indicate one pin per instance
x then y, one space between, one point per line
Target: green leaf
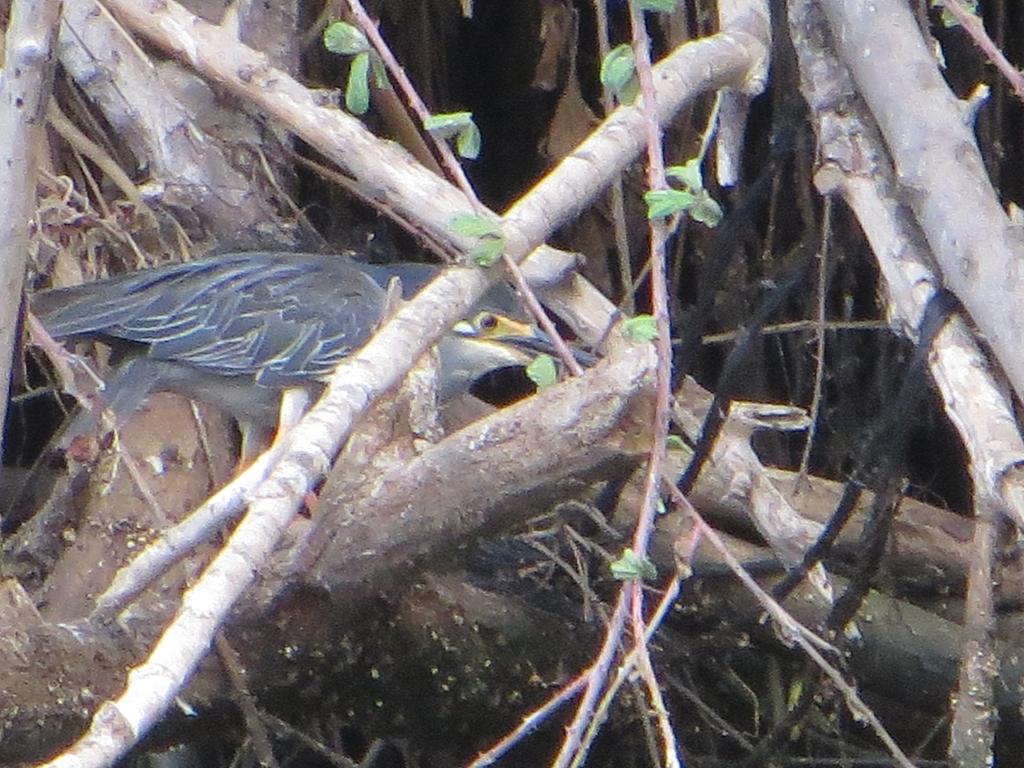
357 92
468 142
487 230
660 508
688 174
630 92
662 203
642 328
632 566
345 39
474 225
449 125
487 252
947 19
675 443
543 372
659 6
380 72
706 210
795 693
618 69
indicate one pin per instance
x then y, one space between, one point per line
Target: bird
235 330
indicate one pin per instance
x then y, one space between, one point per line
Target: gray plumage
282 320
235 329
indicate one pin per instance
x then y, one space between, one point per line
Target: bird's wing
283 319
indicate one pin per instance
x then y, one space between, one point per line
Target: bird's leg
294 402
255 440
392 298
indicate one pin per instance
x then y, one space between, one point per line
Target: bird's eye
487 321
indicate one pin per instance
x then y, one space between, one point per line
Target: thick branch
154 109
25 85
454 488
856 166
939 167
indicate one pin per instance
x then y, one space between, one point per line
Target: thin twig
542 713
458 176
796 326
574 746
796 632
633 659
819 333
246 702
972 730
177 542
628 303
593 682
974 28
659 229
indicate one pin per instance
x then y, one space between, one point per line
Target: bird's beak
524 338
539 343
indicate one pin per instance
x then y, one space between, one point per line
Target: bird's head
490 341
